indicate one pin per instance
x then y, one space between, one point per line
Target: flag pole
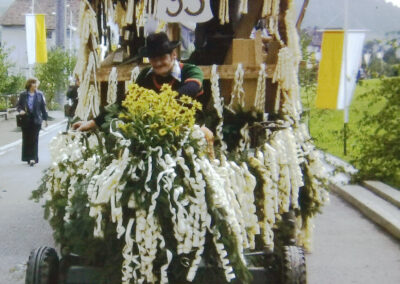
31 65
346 105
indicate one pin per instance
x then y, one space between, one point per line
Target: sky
394 2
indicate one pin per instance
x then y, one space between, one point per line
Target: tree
9 84
53 75
379 135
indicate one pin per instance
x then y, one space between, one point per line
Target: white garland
243 184
129 12
270 10
268 221
243 8
231 191
260 92
134 74
293 41
237 95
140 16
244 142
87 31
286 76
224 12
199 208
267 8
120 16
112 86
106 188
88 94
218 106
220 200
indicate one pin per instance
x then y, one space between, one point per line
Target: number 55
180 7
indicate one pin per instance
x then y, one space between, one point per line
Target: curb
372 206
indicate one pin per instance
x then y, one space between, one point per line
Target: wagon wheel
42 267
293 266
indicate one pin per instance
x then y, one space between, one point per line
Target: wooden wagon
255 82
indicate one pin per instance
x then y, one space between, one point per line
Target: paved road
22 226
347 247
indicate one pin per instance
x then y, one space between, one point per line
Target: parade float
146 198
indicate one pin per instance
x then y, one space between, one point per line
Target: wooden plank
224 71
246 24
248 21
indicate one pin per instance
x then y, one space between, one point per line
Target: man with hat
184 78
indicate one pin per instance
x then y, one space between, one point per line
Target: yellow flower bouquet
151 119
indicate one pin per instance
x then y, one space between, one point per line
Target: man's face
162 65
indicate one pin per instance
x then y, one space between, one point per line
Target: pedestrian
32 105
72 96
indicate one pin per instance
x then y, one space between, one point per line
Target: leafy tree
53 75
308 68
9 84
379 135
308 72
390 56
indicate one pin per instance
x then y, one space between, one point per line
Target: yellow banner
330 68
41 47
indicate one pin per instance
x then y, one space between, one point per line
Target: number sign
183 11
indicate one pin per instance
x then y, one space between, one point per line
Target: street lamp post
60 26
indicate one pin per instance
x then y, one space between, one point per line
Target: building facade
13 36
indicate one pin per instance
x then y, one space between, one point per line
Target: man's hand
22 112
84 125
46 124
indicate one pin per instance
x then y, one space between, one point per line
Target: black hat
157 44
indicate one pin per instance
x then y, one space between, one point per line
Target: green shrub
378 138
9 84
53 76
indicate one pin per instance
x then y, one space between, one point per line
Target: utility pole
60 24
345 55
301 16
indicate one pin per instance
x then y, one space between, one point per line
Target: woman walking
31 104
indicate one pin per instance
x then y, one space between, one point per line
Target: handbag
22 120
68 110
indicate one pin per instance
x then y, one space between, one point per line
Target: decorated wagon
146 198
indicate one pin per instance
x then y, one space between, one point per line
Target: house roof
15 14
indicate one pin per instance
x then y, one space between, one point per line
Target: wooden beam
224 72
228 71
248 21
246 24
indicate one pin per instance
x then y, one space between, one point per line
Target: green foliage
53 75
308 72
373 131
379 137
9 84
383 61
308 68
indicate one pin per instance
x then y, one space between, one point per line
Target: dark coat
38 112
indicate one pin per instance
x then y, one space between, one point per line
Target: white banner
30 26
184 11
353 49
